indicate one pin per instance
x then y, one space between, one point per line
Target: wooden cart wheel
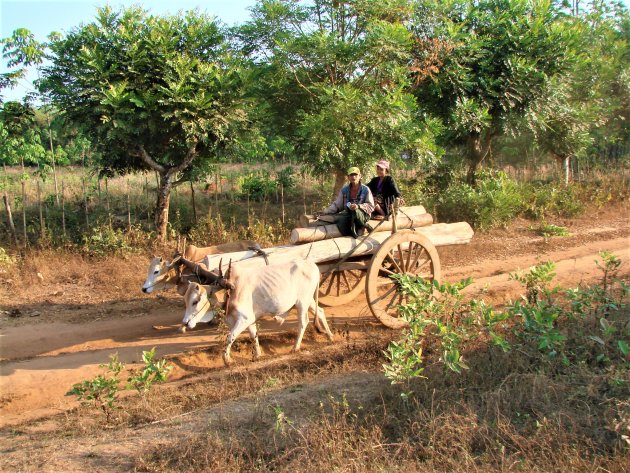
405 252
341 284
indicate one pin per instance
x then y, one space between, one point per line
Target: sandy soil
61 316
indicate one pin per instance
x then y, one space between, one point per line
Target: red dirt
58 326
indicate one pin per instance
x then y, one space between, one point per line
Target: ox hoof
182 329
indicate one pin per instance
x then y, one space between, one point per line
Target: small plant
610 267
548 230
282 421
101 391
104 240
536 281
153 372
6 260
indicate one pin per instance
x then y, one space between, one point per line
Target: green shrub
103 240
257 187
543 200
494 201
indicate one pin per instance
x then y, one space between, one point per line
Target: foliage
438 314
6 260
258 186
332 78
102 390
152 372
548 199
156 93
549 230
536 281
494 201
477 65
103 240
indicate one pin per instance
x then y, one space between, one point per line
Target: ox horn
221 268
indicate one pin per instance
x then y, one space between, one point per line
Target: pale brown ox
270 290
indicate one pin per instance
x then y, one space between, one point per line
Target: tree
588 106
161 93
21 142
21 50
478 65
333 78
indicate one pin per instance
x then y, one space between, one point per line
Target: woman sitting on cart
384 190
354 205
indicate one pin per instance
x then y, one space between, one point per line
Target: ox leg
302 323
253 334
238 328
320 317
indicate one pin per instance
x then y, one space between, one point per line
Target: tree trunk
478 148
163 201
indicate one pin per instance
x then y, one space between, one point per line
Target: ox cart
406 251
350 266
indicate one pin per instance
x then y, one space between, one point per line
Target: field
327 408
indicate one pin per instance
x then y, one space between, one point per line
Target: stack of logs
314 229
334 247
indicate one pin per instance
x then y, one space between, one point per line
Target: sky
42 17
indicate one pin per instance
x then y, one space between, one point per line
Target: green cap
353 170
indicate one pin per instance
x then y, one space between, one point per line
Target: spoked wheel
405 252
340 284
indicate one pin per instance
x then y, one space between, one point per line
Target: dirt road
60 320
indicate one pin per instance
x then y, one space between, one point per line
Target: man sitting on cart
354 205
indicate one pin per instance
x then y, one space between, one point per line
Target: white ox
163 274
269 290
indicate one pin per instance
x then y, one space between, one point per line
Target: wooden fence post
128 208
10 219
107 205
24 212
85 203
41 213
63 208
192 198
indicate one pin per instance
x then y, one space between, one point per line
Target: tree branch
190 156
149 160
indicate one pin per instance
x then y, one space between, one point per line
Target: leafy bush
257 187
153 372
495 201
545 200
438 315
6 260
286 178
103 240
102 390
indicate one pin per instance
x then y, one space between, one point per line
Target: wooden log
326 232
440 234
306 221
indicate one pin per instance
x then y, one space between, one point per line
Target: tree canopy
159 93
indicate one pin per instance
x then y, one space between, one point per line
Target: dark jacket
389 191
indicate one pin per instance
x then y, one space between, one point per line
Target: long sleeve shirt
364 200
